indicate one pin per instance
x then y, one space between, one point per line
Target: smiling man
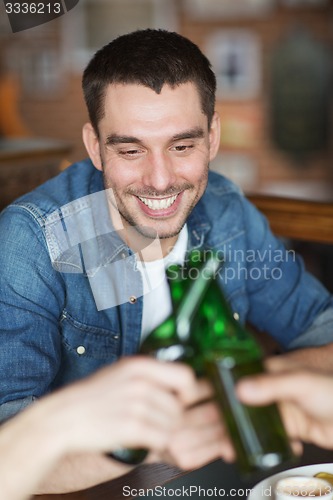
76 293
154 151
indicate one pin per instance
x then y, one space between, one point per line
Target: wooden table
26 163
216 474
143 476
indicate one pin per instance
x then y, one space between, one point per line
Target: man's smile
158 203
164 207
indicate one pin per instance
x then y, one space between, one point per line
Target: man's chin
161 229
152 233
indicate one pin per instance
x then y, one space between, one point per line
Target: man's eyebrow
194 133
114 139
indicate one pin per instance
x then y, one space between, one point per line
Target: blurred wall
48 62
270 165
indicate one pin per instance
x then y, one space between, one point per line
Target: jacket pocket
87 341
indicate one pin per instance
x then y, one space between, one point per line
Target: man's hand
200 436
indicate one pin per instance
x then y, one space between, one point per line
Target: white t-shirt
157 304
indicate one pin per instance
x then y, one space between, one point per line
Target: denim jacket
52 329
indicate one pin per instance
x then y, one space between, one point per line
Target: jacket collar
198 226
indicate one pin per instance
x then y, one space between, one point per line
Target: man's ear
91 143
214 136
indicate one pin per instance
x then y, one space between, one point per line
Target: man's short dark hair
151 58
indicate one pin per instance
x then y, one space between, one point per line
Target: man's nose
159 172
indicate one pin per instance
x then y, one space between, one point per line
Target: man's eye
130 152
183 147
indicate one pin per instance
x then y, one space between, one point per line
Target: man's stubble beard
147 232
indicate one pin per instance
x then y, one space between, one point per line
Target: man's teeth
155 204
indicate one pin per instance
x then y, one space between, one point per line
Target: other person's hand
137 402
305 399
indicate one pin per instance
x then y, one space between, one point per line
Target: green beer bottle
220 348
203 333
227 352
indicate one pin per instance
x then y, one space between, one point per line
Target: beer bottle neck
194 296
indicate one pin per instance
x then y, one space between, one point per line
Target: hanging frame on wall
236 58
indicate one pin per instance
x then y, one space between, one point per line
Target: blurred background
273 60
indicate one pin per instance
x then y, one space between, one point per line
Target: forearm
27 449
80 471
32 444
317 358
73 470
320 333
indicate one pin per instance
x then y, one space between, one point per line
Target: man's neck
148 249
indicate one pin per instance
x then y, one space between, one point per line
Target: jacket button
132 299
236 316
81 349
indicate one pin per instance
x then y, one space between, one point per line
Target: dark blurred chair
27 162
297 219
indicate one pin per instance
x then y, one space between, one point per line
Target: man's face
154 150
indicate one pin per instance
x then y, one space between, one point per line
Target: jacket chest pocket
88 341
